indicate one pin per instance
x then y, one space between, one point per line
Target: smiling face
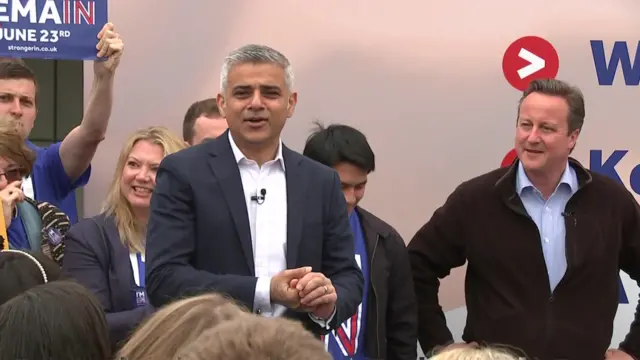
543 140
256 103
139 174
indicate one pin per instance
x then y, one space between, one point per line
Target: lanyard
141 279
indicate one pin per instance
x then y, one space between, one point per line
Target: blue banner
51 29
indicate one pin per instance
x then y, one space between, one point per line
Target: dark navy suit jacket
198 236
97 259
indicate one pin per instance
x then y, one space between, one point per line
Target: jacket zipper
549 316
373 287
550 299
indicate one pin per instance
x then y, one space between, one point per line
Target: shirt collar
237 153
569 178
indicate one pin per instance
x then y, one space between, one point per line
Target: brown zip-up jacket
509 301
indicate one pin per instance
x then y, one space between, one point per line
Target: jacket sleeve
630 263
338 258
171 244
82 263
435 249
402 308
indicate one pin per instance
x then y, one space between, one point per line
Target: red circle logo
509 158
527 59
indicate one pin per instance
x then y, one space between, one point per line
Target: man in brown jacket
544 241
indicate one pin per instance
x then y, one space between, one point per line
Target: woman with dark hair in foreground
21 270
58 320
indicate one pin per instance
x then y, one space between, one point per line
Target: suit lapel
121 279
296 190
225 168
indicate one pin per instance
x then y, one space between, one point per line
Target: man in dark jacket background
385 325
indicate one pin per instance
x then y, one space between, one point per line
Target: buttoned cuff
323 323
262 297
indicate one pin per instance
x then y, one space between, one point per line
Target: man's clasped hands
303 290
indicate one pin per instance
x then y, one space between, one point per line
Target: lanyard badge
140 292
141 297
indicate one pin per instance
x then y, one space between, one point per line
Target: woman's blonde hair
478 352
178 324
132 232
255 338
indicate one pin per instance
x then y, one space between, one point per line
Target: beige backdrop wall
422 79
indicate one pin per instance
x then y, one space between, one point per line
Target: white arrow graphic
536 63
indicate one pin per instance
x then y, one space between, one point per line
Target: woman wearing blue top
105 253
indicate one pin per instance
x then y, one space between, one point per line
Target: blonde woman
105 253
477 352
178 324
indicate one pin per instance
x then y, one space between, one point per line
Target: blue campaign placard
51 29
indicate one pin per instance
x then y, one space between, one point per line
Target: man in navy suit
245 216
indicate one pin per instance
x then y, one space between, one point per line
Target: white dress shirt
268 222
133 259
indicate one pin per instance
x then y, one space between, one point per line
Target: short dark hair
337 144
39 323
207 107
19 273
16 69
571 94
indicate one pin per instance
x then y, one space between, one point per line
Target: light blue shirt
547 214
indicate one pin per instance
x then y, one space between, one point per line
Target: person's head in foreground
478 352
256 338
57 320
177 324
21 270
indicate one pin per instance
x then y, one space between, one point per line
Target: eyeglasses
12 174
